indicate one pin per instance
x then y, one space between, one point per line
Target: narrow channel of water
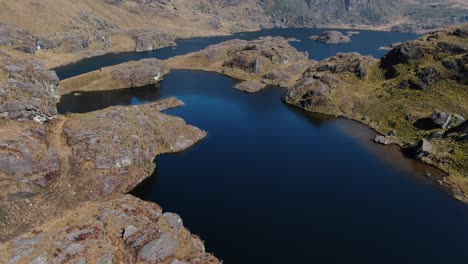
273 184
367 42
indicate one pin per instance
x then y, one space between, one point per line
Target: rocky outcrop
82 157
27 161
269 60
28 90
332 37
121 143
22 40
150 39
123 230
139 73
352 62
130 74
319 80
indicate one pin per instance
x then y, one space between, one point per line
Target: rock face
123 230
28 90
332 37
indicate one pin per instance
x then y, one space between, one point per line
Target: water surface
273 184
366 43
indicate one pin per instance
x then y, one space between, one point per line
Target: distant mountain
403 15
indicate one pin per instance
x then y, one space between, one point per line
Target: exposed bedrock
122 230
48 169
27 90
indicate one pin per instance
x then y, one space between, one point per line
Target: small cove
272 184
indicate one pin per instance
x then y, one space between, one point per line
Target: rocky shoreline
65 178
362 88
60 167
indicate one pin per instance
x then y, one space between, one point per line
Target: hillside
61 31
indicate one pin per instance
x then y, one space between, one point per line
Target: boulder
250 86
441 119
445 120
419 150
382 140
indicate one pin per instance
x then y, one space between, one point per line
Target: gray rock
250 86
42 259
30 91
421 149
107 259
159 249
382 140
174 221
129 231
441 119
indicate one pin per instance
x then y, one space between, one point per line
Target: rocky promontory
261 62
64 178
130 74
413 95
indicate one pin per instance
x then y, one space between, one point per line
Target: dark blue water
367 43
272 184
